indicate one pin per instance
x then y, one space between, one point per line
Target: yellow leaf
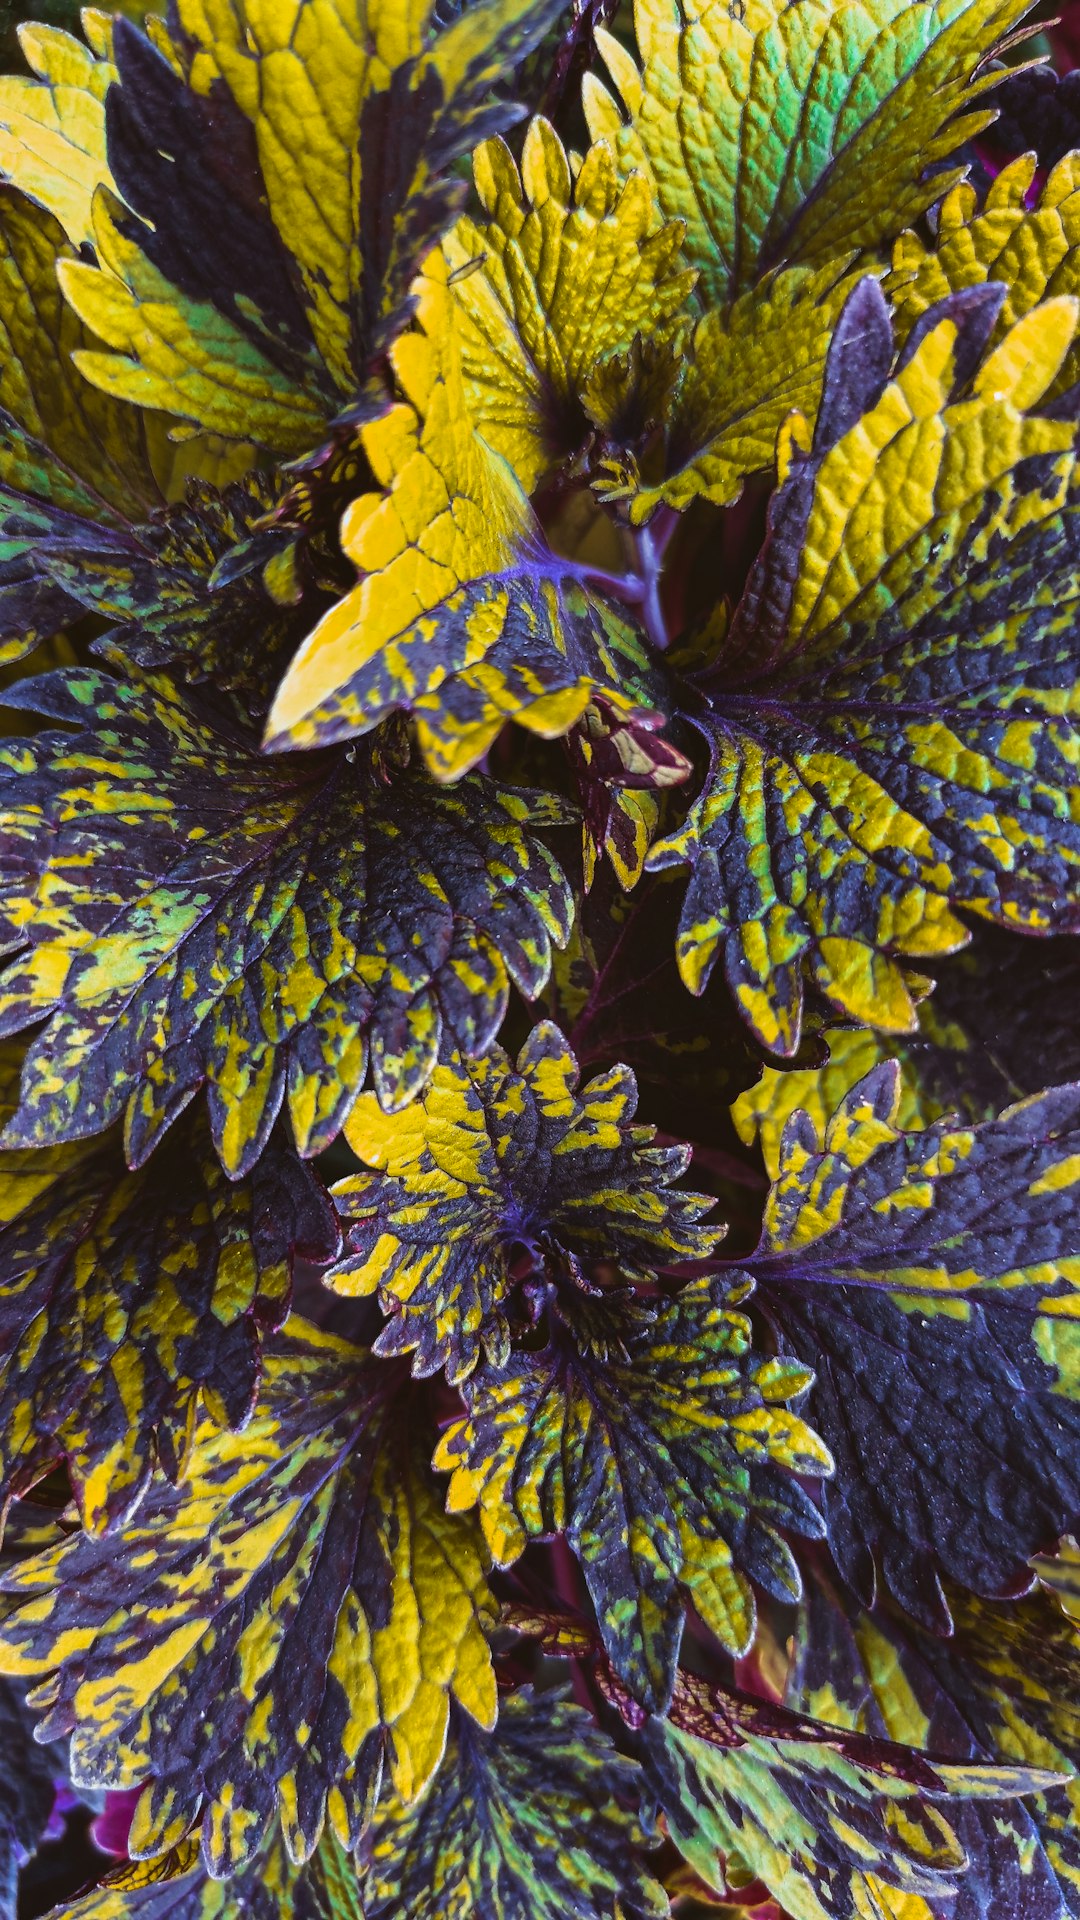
568 271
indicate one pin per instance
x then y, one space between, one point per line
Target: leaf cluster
539 895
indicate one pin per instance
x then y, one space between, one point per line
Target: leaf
244 276
124 1296
525 1823
1002 1689
27 1793
67 453
358 111
930 1280
880 755
52 127
836 1825
177 353
747 367
187 590
61 440
198 913
998 1025
497 1158
1031 251
616 992
178 1887
462 616
762 1112
652 1434
568 270
1059 1573
258 1636
1038 110
795 133
620 769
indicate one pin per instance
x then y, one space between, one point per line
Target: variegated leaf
655 1437
505 1173
248 923
258 1637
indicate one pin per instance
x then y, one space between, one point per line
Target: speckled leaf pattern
1004 1689
176 1886
185 593
524 1823
123 1296
462 615
248 923
881 751
930 1280
653 1435
569 271
794 133
311 1548
838 1826
539 559
494 1157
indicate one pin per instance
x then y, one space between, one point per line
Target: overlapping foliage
539 896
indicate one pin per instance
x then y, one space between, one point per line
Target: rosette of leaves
542 671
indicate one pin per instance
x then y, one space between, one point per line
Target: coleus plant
540 874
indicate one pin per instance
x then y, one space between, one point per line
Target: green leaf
256 1638
930 1279
494 1157
462 615
525 1823
652 1434
124 1296
271 1887
178 354
358 108
881 753
260 327
63 441
199 913
566 272
795 133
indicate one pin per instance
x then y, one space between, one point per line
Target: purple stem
642 589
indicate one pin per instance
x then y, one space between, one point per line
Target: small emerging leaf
569 270
495 1158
